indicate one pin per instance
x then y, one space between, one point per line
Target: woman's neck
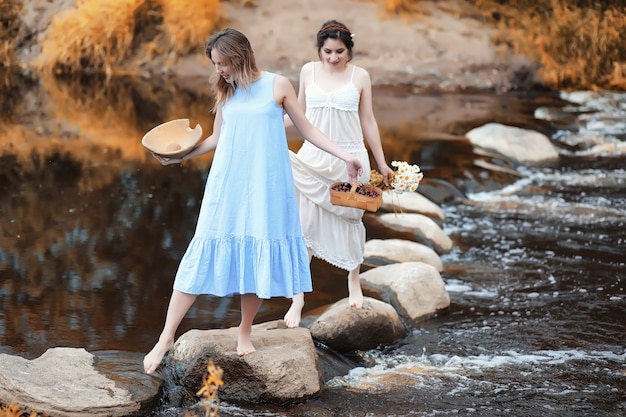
334 70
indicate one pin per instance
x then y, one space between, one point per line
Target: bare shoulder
307 68
281 82
282 87
361 78
306 72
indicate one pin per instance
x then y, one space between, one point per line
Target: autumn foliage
580 44
93 37
189 23
99 35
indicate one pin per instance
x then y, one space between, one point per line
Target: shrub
580 44
99 35
93 37
189 23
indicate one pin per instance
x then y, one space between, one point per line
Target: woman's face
222 67
334 52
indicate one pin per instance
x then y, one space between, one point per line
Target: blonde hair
235 47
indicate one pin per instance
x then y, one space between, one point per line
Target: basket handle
353 189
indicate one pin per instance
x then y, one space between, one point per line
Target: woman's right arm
206 146
286 97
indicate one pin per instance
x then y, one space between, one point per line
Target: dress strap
353 69
313 70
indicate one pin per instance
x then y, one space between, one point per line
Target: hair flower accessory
352 35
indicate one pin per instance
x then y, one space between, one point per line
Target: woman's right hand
167 161
355 169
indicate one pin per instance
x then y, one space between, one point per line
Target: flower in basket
406 178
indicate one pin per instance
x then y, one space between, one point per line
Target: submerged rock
522 145
71 382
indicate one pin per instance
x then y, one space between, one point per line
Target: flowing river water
92 230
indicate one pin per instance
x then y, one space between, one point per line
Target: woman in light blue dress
248 240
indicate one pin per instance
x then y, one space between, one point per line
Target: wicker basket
353 199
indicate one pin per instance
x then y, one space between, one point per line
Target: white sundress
335 234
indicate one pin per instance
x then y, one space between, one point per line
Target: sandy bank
442 52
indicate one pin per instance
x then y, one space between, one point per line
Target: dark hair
235 47
333 29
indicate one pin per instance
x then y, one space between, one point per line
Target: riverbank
447 45
437 50
444 52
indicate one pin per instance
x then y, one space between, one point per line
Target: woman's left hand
386 172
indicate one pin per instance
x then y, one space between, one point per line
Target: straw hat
172 139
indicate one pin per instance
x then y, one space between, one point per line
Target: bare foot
244 344
294 314
153 359
355 295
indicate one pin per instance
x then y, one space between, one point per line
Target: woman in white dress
337 98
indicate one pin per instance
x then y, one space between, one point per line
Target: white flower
407 177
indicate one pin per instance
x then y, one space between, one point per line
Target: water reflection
93 227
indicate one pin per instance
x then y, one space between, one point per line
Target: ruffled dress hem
243 256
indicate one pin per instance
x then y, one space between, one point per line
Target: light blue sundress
248 238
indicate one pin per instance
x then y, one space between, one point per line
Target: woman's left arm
369 126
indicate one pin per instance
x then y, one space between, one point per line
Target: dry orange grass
579 43
14 411
93 37
189 23
399 6
9 26
98 35
210 385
